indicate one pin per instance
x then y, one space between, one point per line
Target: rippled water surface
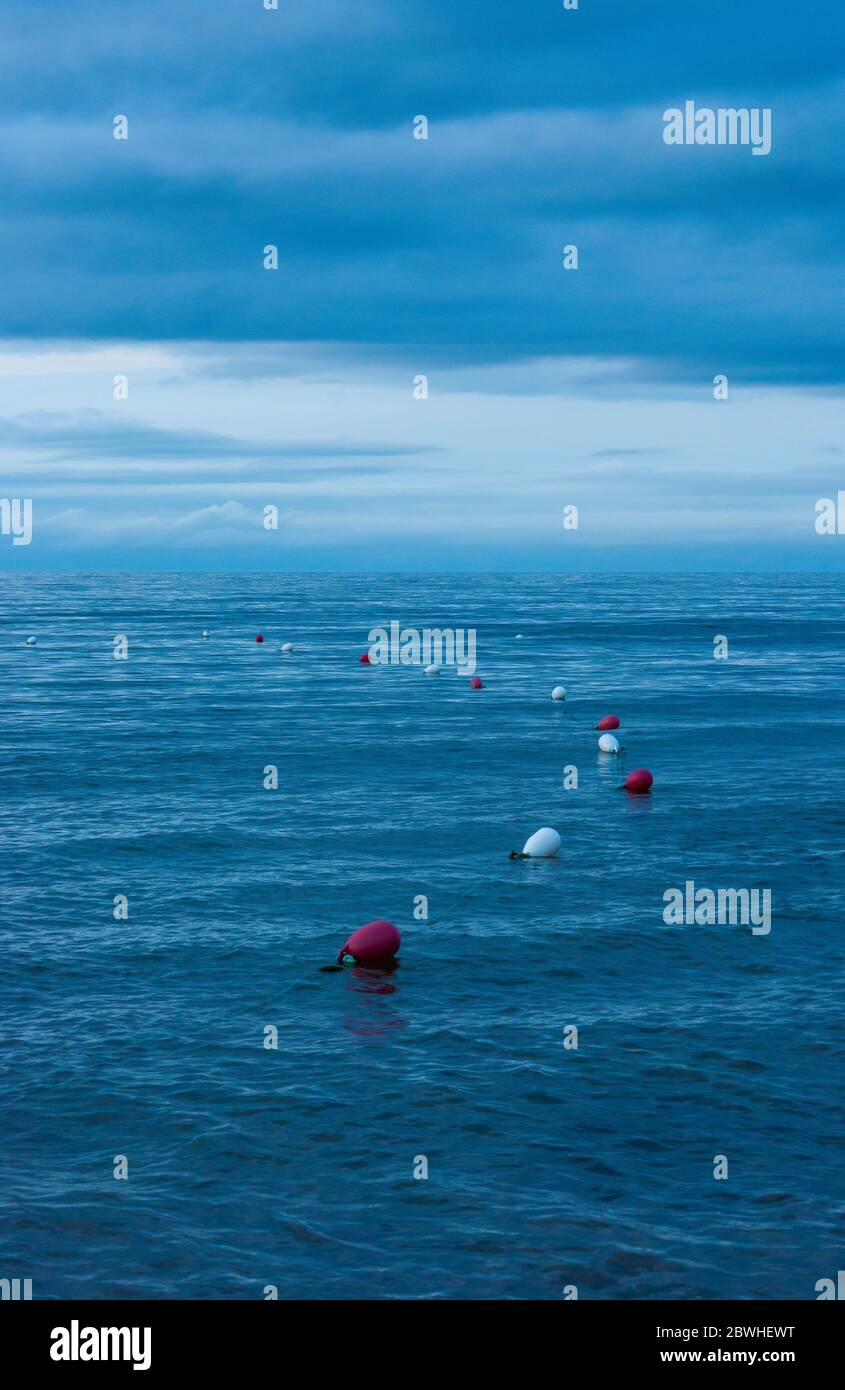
294 1167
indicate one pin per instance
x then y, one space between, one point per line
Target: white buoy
558 693
543 844
287 647
518 637
433 670
30 642
204 635
608 744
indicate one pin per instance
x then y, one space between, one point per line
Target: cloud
220 524
87 442
400 257
545 130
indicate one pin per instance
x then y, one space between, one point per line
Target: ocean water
294 1167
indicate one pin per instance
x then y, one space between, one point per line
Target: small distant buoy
639 781
376 941
518 637
287 646
543 844
609 722
31 642
558 693
476 683
364 658
608 744
433 670
205 635
259 638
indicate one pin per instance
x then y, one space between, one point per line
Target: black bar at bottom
244 1337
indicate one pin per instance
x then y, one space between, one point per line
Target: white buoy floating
543 844
433 670
287 647
608 744
518 637
558 693
204 635
31 642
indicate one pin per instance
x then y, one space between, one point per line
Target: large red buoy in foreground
364 658
259 638
609 722
639 781
476 683
376 941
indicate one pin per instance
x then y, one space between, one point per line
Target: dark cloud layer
294 127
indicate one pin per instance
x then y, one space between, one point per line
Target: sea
552 1092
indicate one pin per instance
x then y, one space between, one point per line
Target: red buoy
259 638
476 683
376 941
639 781
364 658
609 722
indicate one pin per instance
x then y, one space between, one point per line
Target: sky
298 388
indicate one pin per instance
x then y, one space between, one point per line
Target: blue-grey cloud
294 127
86 439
